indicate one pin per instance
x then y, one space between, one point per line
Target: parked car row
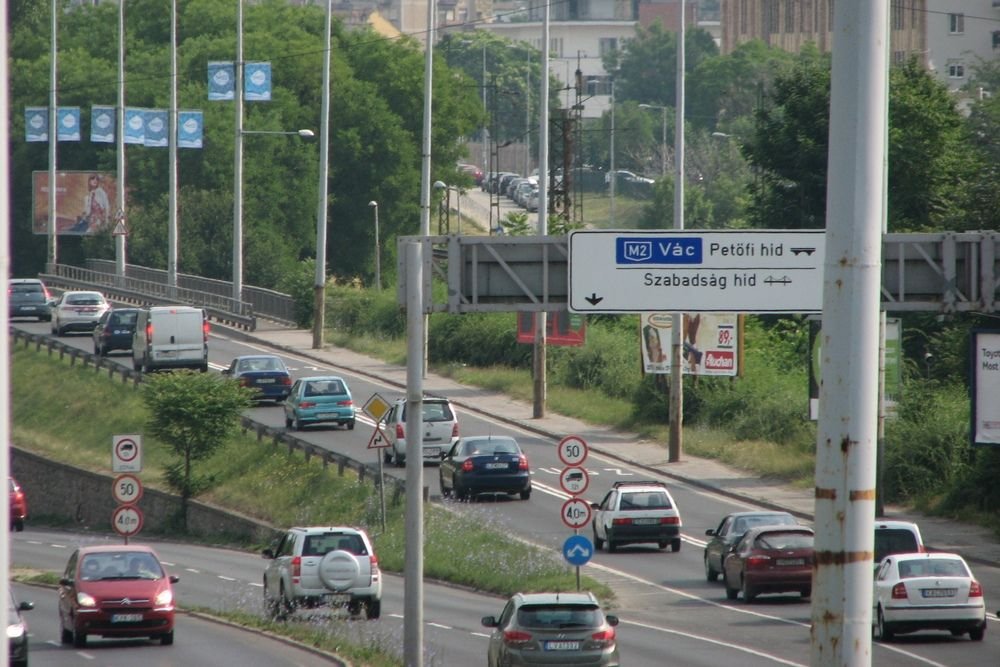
522 190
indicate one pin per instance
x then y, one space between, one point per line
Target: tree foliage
194 414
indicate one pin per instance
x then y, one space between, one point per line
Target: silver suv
440 430
635 512
323 565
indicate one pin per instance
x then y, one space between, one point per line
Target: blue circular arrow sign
577 550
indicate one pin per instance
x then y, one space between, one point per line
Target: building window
899 57
804 12
996 39
897 15
743 18
607 45
956 24
555 47
789 16
771 16
956 69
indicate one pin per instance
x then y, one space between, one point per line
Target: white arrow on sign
760 271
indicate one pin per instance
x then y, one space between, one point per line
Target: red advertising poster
562 328
710 343
84 202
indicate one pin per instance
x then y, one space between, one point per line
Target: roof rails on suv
646 483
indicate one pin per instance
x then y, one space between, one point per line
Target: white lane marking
439 625
192 570
396 615
254 583
36 542
58 546
479 634
53 642
167 563
86 656
224 578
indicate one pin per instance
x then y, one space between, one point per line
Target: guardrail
278 436
271 304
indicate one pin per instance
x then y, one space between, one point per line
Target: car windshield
788 540
932 567
894 541
320 545
120 565
489 447
559 616
324 388
645 500
744 524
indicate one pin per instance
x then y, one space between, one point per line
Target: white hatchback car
78 311
927 591
440 430
636 512
323 566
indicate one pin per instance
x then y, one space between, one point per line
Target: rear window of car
320 545
434 411
26 288
783 540
890 541
489 447
85 300
127 319
324 388
559 616
932 567
645 500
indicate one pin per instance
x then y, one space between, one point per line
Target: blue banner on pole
135 125
156 128
189 129
257 82
69 124
36 124
102 124
221 81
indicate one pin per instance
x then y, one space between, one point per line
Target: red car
18 505
770 559
116 591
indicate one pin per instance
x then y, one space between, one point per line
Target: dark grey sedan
731 529
485 464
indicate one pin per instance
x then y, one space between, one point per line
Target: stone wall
62 492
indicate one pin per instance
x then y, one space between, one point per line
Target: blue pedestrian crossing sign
577 550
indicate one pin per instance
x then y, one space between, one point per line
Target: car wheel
18 525
885 632
461 493
288 422
976 634
731 593
79 639
675 544
67 636
710 573
167 638
398 459
285 606
350 425
526 493
373 609
807 592
748 593
297 424
445 491
598 542
386 455
612 547
354 608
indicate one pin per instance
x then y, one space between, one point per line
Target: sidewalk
976 544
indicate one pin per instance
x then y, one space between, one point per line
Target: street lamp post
663 139
378 249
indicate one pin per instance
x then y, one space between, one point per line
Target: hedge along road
651 586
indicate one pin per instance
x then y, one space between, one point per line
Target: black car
114 330
731 529
28 297
17 631
485 464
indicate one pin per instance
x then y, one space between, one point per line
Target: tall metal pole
527 119
53 257
614 174
540 361
425 158
238 162
676 368
663 144
319 286
5 271
172 216
378 249
848 397
486 129
120 239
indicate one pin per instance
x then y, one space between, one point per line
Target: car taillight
602 639
307 404
286 381
204 330
296 567
467 465
671 520
899 591
345 404
522 462
975 589
624 521
758 562
516 637
149 332
245 382
454 430
400 433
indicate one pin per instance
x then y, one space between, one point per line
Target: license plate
265 380
938 592
27 307
167 353
791 561
326 415
645 522
432 451
126 618
496 466
562 646
336 598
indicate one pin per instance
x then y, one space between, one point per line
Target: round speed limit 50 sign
127 489
572 450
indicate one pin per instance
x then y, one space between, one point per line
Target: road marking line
58 546
224 578
438 625
192 570
479 634
254 583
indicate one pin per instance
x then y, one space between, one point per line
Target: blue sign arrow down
577 550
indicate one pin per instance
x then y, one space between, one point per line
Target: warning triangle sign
119 229
378 439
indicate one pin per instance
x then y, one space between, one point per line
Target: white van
170 337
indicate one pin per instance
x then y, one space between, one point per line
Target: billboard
710 340
985 374
561 328
83 202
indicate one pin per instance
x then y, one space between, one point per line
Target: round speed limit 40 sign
127 520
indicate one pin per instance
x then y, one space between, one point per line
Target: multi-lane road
670 613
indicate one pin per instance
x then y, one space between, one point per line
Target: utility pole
676 360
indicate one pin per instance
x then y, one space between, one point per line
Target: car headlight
85 599
15 631
164 598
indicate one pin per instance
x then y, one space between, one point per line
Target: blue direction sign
577 550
